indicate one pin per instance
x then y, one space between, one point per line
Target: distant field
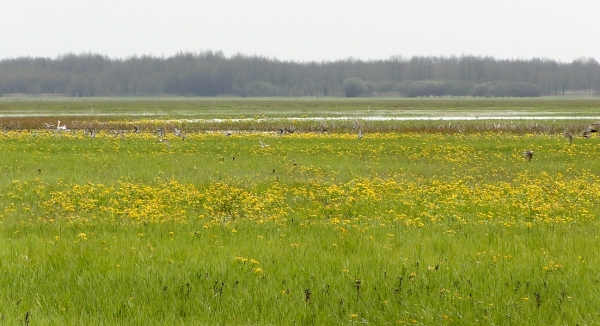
297 107
232 223
305 114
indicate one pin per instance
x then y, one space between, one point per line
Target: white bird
59 127
263 145
48 126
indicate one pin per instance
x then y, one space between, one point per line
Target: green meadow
230 222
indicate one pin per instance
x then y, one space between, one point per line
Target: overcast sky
307 30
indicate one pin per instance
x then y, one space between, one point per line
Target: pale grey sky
308 30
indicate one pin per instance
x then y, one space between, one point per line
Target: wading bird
569 136
360 134
528 155
263 145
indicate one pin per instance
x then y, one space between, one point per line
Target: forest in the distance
213 74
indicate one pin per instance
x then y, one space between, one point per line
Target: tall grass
316 228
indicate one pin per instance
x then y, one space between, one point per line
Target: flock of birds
162 132
585 133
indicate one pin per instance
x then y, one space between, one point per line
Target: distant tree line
213 74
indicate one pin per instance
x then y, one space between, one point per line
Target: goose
586 134
528 155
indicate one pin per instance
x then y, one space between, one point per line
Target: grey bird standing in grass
528 155
569 136
360 134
